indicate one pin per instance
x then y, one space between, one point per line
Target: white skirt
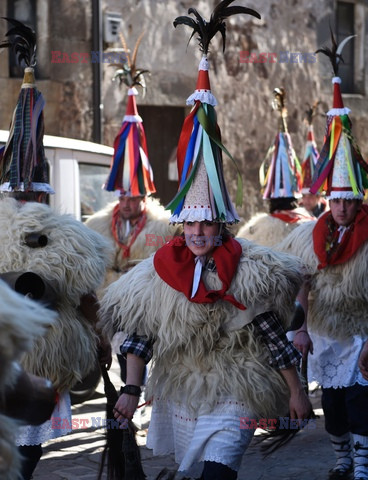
216 437
334 363
59 424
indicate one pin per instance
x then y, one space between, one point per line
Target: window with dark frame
24 11
344 28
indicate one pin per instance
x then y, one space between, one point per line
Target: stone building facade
82 101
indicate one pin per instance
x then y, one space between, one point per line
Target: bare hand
303 343
124 408
300 406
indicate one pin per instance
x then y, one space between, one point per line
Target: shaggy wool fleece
200 355
73 262
21 321
339 293
266 230
155 233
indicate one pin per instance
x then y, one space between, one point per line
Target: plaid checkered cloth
283 353
139 346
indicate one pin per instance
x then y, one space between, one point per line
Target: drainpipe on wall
97 71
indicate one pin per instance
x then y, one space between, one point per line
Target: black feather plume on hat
207 30
22 39
334 53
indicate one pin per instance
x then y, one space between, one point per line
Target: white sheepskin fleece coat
73 263
21 321
266 230
203 352
339 294
155 233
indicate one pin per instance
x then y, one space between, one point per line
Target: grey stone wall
63 26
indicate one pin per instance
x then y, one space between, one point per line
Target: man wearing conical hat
335 249
209 308
281 187
137 225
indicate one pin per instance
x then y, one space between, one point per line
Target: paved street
76 456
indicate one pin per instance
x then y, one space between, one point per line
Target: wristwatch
131 390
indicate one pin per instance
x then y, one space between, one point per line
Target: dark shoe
339 473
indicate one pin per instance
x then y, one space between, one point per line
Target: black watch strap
131 390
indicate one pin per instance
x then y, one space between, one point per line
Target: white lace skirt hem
59 424
216 437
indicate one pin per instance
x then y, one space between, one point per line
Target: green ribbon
207 118
183 191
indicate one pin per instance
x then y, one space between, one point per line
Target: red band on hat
203 81
310 136
337 98
131 108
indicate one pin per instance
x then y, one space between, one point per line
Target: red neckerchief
289 216
115 225
325 235
175 264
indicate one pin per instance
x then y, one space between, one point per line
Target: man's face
344 211
310 201
131 207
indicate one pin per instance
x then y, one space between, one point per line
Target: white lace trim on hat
282 193
193 215
200 215
204 96
344 194
133 118
34 187
334 112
